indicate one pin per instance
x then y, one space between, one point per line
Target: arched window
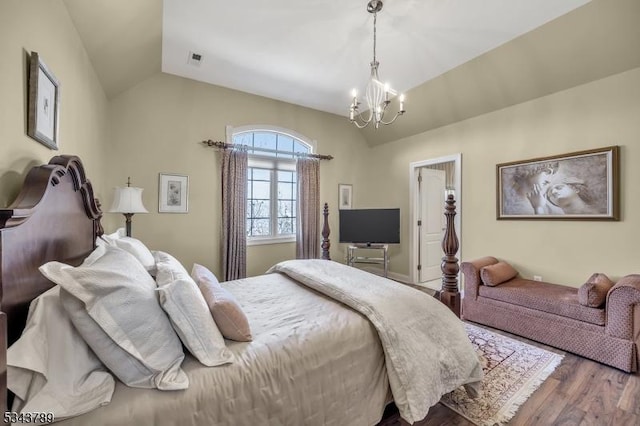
272 183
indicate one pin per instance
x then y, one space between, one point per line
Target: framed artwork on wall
345 196
580 185
44 103
173 193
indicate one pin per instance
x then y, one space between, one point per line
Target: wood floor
578 392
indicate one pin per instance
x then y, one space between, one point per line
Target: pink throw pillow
225 310
497 273
593 293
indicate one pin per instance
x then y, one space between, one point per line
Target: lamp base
128 217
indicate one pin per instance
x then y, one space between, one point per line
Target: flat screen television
370 226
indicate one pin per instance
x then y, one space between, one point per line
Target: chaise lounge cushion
593 293
552 298
497 274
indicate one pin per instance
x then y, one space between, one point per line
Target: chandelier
377 93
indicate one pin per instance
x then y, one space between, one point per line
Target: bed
321 354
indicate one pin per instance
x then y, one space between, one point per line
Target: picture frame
345 196
43 118
582 185
173 193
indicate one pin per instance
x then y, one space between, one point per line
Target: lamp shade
127 200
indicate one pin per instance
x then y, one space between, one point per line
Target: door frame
414 206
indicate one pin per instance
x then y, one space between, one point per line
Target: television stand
382 259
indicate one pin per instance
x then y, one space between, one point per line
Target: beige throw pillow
593 293
497 273
226 311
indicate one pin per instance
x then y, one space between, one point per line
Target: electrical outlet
537 278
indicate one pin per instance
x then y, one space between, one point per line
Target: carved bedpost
99 230
449 294
326 244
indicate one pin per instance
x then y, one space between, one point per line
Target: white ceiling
124 38
312 52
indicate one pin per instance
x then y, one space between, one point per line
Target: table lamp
128 201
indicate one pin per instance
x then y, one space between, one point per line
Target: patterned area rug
513 371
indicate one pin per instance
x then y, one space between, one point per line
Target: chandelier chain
375 17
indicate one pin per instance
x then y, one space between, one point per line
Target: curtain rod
224 145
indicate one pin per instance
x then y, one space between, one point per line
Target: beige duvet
312 362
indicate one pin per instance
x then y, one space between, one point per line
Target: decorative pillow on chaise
497 273
182 301
226 311
51 369
119 297
593 293
134 246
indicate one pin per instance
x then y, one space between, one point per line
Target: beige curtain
234 214
308 218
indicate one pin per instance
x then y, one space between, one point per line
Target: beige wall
45 27
598 114
156 127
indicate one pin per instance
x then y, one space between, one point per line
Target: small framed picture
173 193
345 196
44 103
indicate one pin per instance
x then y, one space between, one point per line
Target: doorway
430 180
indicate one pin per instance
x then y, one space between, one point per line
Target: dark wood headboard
55 217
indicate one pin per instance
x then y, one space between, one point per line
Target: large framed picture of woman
580 185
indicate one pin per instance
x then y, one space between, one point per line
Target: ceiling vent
194 59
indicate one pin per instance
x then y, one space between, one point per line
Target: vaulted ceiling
454 59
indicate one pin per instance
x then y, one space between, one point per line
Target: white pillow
127 368
139 251
119 295
172 270
134 246
51 369
182 301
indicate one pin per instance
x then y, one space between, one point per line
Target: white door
431 219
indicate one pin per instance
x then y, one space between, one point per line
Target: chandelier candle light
376 94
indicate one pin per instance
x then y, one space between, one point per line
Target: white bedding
311 362
426 346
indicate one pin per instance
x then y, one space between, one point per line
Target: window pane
260 189
260 227
260 209
248 227
264 140
286 226
248 211
284 176
300 147
285 143
243 139
285 209
285 191
261 174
